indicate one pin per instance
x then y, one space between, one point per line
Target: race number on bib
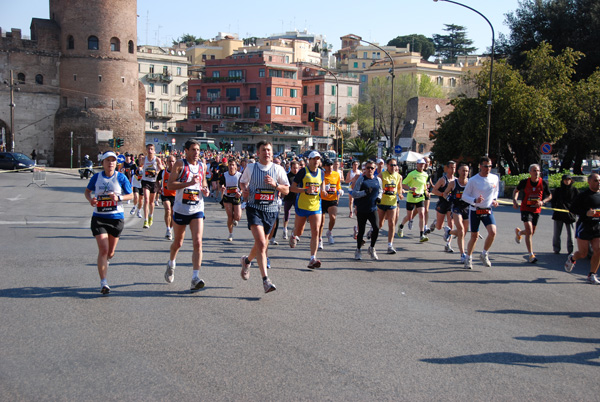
264 196
105 203
190 196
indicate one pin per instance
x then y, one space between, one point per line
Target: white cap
379 161
314 154
108 154
420 161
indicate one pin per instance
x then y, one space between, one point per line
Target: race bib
483 211
313 188
150 172
190 196
264 196
105 203
231 191
389 189
532 201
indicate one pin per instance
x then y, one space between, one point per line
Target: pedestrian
367 194
188 180
481 193
261 184
110 189
587 206
562 198
535 195
33 155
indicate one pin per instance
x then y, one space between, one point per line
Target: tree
189 40
562 23
365 148
418 43
454 44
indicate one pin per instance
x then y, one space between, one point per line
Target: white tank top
189 200
150 170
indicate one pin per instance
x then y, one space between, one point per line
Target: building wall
425 113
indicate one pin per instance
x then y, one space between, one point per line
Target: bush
553 180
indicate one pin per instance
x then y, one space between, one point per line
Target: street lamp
489 102
391 71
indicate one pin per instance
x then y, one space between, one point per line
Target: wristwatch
119 198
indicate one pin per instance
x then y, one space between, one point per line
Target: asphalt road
412 326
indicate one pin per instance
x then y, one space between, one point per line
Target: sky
160 22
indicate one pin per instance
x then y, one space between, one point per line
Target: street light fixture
391 71
489 102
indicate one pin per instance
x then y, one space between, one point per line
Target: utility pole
10 138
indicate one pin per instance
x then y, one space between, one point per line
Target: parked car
15 160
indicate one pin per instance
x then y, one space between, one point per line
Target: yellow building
222 46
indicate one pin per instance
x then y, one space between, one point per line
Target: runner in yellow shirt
416 185
329 202
392 188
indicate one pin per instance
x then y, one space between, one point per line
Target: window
333 90
235 73
317 89
349 110
275 73
365 55
203 57
293 93
212 56
177 89
289 74
178 70
278 110
261 72
304 108
213 94
93 43
178 106
115 45
363 78
304 90
332 109
165 70
268 91
216 74
99 78
74 77
453 82
268 109
349 91
70 42
278 91
364 65
232 93
439 81
213 110
39 79
287 59
232 110
293 111
165 89
317 108
151 88
151 106
356 64
198 94
130 46
151 69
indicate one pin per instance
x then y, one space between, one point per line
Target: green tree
454 44
366 149
189 40
418 43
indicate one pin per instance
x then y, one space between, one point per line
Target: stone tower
99 88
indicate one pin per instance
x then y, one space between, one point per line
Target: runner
350 179
232 195
562 198
329 200
416 185
261 184
367 194
392 189
290 199
110 189
427 169
587 206
138 191
535 195
460 210
167 196
152 165
309 185
188 180
444 206
481 192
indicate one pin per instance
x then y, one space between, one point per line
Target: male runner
232 195
444 206
416 185
152 165
354 172
290 199
136 184
535 195
391 182
188 179
367 194
329 200
587 206
460 210
167 196
481 192
261 184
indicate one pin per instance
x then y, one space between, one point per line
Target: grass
553 180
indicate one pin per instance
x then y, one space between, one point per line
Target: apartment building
220 47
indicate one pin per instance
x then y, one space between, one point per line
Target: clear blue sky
159 22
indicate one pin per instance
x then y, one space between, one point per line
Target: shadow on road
570 314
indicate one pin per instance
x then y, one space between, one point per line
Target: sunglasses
486 166
370 167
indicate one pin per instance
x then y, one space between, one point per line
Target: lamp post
337 100
489 102
391 71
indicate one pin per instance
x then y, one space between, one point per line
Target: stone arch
93 43
115 44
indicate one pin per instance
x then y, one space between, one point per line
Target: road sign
121 158
546 148
546 157
173 141
398 149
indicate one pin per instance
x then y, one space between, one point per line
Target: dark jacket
562 198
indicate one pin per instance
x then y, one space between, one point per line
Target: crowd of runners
262 183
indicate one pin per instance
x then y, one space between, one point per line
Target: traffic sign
173 141
546 157
398 149
121 158
546 148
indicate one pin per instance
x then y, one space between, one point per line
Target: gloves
341 193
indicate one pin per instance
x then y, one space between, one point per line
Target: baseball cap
381 161
327 162
108 154
314 154
567 177
420 161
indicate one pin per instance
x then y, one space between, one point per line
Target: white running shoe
330 237
569 264
132 212
373 254
448 248
273 242
320 244
285 234
485 259
433 224
139 213
446 233
169 234
593 279
197 284
391 250
169 273
235 223
463 258
410 223
357 254
468 262
230 238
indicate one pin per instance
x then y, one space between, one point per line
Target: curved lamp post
489 102
391 71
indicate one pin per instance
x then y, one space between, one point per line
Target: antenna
147 23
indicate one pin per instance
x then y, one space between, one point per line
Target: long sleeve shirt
484 186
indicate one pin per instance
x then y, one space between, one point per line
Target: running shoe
369 233
423 239
518 235
532 259
400 233
139 213
357 254
293 241
468 263
433 224
244 205
285 234
230 238
197 284
168 234
410 223
569 264
314 263
245 268
391 250
593 279
156 203
355 232
169 273
373 254
330 237
268 263
150 221
485 259
431 229
320 244
479 236
273 242
235 223
463 258
448 248
105 290
146 226
446 233
268 286
132 212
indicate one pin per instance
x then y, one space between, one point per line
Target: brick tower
99 88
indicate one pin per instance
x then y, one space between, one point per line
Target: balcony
154 77
209 80
157 114
219 99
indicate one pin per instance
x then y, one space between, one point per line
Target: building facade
220 47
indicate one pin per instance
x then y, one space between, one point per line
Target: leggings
362 218
287 206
